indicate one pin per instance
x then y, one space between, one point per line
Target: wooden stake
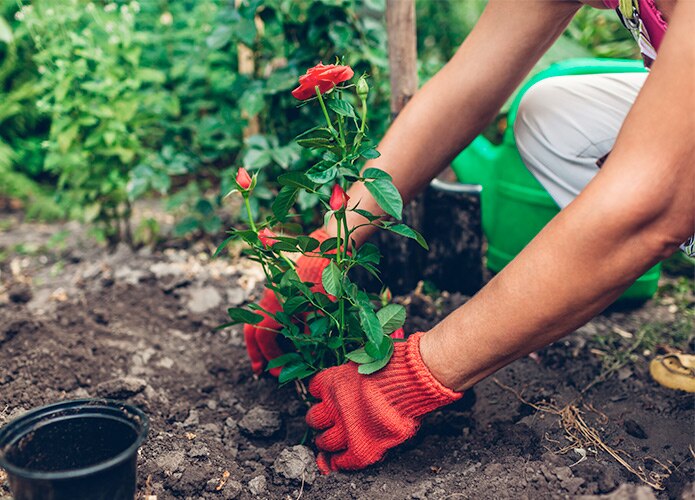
403 260
402 45
247 66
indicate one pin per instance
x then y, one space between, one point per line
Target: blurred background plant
106 103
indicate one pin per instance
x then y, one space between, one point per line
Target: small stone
296 463
92 271
257 485
231 490
549 476
563 473
127 275
212 485
236 297
165 363
198 451
203 299
121 388
260 422
162 269
171 461
193 419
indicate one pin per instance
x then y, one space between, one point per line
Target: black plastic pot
74 450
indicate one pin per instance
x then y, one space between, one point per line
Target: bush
105 103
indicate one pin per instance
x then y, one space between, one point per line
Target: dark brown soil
76 322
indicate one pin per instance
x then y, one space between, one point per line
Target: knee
540 117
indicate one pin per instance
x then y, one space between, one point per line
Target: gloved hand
261 341
363 416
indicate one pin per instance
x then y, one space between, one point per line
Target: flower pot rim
23 424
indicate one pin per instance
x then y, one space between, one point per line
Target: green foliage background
102 103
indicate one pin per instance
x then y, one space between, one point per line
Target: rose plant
316 306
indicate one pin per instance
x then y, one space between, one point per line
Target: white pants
566 124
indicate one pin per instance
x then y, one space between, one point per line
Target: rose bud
362 88
386 296
243 179
267 237
325 77
339 198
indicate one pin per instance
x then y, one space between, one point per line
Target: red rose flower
267 237
243 178
339 198
325 77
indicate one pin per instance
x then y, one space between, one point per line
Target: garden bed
76 321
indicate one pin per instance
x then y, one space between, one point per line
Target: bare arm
456 104
635 212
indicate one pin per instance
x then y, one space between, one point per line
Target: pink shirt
654 22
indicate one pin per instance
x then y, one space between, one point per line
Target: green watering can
515 207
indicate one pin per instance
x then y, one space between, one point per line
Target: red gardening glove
261 342
363 416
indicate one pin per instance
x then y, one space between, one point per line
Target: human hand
361 417
261 338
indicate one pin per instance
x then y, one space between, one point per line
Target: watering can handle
456 187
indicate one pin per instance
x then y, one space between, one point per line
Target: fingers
349 460
321 416
317 384
324 463
332 440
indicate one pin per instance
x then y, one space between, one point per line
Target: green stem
341 131
248 210
288 261
323 107
338 256
364 116
340 217
360 133
347 235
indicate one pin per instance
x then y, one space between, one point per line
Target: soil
77 321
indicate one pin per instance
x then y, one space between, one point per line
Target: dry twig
582 435
302 391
